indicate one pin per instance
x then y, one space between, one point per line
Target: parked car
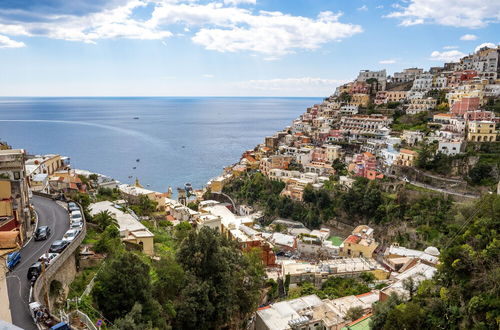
13 259
75 216
42 233
58 246
76 225
72 206
70 235
34 271
48 258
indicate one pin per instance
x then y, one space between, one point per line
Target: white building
131 229
449 147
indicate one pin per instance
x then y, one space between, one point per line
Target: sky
227 47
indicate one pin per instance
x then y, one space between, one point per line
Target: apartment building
15 210
365 126
421 105
481 131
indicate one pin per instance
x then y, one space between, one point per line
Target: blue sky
227 47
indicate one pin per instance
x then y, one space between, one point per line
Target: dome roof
433 251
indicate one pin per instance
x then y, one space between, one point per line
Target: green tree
222 285
123 282
182 230
104 219
354 313
109 241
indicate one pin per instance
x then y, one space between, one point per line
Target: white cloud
6 42
379 7
240 2
450 47
208 75
485 44
447 56
107 24
270 33
387 61
458 13
363 8
468 37
219 26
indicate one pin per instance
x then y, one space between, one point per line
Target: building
15 209
406 157
442 118
412 137
420 105
365 126
479 115
333 152
360 243
66 182
133 194
131 229
360 100
407 75
307 313
464 105
318 273
380 76
365 165
46 164
449 147
423 82
397 257
419 272
312 313
481 131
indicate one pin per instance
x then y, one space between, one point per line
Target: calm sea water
177 140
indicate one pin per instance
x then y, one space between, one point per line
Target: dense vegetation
464 294
485 172
201 280
365 202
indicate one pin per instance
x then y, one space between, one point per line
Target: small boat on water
137 160
136 117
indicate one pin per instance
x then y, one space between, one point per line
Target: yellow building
361 100
481 131
406 157
360 244
395 96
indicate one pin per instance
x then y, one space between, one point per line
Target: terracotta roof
407 151
353 239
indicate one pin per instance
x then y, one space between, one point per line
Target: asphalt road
49 214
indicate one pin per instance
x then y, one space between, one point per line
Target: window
17 175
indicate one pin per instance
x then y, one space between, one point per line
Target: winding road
49 214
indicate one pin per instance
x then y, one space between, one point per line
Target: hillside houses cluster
345 128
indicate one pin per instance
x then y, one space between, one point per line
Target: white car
48 258
75 216
76 225
70 235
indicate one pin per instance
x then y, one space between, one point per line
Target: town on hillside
347 208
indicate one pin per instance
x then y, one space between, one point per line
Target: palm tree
104 219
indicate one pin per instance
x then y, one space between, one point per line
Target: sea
162 141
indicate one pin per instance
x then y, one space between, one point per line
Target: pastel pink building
319 155
479 115
365 165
